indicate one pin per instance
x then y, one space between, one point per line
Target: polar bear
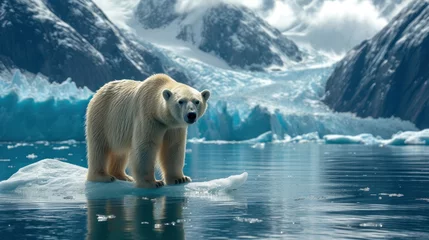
140 122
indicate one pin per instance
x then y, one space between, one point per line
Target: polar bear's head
186 104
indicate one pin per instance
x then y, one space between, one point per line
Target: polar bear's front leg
172 156
145 146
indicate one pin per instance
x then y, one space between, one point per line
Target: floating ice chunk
248 220
259 146
19 145
409 138
392 194
103 218
31 156
61 148
364 189
344 139
51 180
369 224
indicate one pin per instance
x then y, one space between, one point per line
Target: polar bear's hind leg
97 162
117 166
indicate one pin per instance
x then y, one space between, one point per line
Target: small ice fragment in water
259 146
249 220
144 223
364 189
188 150
145 198
180 220
396 195
19 145
4 160
68 142
103 218
157 225
32 156
61 148
46 143
392 194
371 225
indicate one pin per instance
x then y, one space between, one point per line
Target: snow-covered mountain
71 39
387 75
231 32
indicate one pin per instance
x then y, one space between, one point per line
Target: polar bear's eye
197 102
180 102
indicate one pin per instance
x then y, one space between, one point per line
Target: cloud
119 12
185 6
340 25
281 16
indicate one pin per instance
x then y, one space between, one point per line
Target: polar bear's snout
191 117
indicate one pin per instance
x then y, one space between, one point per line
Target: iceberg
32 108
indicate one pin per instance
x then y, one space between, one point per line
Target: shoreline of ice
407 138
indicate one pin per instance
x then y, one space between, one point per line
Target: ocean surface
293 191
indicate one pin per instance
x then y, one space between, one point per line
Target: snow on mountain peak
230 32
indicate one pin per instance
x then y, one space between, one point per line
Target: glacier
245 106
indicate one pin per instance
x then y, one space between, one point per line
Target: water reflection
136 218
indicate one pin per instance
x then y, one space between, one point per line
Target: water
294 191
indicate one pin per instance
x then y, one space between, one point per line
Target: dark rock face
242 39
232 33
387 75
156 13
70 38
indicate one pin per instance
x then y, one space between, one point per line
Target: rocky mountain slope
387 75
71 38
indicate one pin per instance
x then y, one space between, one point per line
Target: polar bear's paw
159 184
125 177
150 184
184 179
100 177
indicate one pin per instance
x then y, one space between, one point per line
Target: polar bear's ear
167 94
205 94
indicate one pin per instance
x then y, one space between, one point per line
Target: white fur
139 122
